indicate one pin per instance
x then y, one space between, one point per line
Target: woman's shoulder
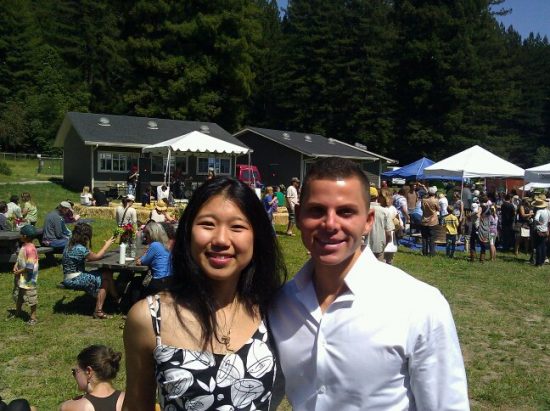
77 404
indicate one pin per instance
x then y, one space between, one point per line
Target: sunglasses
75 371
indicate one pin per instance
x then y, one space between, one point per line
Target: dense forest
404 77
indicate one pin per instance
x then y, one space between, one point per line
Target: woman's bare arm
139 343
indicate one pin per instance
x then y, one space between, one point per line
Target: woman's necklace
225 337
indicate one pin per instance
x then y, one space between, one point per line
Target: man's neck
329 281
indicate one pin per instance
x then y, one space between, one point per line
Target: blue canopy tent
416 171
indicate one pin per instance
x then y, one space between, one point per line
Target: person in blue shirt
157 257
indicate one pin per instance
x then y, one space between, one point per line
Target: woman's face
81 377
222 239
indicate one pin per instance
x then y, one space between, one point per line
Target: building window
159 164
116 162
220 165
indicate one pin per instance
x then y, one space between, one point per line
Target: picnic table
10 244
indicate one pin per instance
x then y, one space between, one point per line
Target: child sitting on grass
451 226
25 273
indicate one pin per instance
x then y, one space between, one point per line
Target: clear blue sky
526 16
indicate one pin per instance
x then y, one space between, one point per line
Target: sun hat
130 197
539 203
66 204
161 206
28 231
373 192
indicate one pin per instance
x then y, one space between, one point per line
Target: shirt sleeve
436 367
148 257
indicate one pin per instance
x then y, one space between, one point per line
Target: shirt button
322 389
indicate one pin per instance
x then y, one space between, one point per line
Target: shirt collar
354 278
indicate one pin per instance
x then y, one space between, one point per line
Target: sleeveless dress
200 380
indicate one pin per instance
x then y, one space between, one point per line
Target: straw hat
539 203
161 206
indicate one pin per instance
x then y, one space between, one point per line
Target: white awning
195 142
475 162
539 174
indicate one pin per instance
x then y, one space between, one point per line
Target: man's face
333 217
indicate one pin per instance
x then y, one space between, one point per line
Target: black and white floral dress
200 380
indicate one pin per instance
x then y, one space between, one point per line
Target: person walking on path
291 202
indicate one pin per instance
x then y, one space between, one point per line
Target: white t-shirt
291 197
86 199
443 204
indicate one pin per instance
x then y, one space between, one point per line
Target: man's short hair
333 168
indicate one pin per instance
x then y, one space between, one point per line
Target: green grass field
501 309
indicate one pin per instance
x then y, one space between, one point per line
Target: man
430 221
55 233
291 203
125 213
412 197
354 333
382 228
132 179
400 203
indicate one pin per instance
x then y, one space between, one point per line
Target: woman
540 237
75 276
160 213
157 257
29 209
96 367
86 198
212 346
523 236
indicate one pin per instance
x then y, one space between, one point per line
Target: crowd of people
219 325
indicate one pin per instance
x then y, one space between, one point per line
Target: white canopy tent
475 162
532 186
539 174
194 142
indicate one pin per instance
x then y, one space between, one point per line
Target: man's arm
436 367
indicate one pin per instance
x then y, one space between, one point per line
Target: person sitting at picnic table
4 222
55 233
160 213
96 367
157 258
71 217
14 211
29 209
86 198
100 199
75 277
125 213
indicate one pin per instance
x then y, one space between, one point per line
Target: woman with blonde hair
86 198
96 367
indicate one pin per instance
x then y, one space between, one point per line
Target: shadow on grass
81 304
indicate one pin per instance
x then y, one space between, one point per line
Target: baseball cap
432 190
66 204
295 180
28 231
130 197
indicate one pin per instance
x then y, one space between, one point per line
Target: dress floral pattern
199 380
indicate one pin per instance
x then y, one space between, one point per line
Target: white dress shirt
388 343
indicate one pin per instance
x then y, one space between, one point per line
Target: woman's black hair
103 360
258 282
82 234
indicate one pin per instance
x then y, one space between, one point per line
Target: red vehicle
250 175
